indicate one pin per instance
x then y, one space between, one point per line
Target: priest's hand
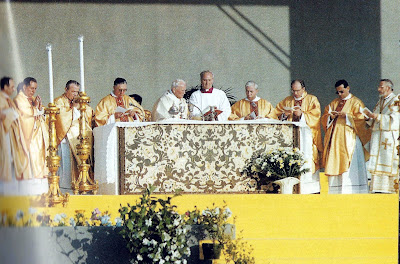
343 114
118 115
371 115
38 102
248 117
130 113
2 116
287 112
297 112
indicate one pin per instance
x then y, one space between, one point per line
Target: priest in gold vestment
35 135
345 137
384 160
251 107
305 108
14 162
118 107
67 131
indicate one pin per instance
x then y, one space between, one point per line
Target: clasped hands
38 102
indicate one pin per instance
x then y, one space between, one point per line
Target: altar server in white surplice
172 104
209 97
384 161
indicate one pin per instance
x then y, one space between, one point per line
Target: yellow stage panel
284 229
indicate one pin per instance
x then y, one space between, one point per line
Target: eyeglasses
295 91
339 92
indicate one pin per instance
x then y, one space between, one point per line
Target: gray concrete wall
270 42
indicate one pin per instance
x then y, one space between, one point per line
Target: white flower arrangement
154 231
276 164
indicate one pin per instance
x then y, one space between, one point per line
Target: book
365 111
288 108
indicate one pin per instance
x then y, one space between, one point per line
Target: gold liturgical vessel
84 183
54 195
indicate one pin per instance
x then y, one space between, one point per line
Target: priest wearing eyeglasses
118 107
251 107
304 108
345 137
212 102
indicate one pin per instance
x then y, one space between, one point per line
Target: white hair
251 83
177 82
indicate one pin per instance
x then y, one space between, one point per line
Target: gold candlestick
54 195
84 183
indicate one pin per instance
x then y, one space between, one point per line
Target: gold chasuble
244 107
35 134
340 137
67 126
107 106
10 130
311 109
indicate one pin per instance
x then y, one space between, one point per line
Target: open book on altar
208 116
365 111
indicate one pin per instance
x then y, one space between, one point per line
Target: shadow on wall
330 40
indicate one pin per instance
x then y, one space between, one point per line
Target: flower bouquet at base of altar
267 167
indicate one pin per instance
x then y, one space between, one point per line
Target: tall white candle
48 48
80 38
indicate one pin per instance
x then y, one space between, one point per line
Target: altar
193 156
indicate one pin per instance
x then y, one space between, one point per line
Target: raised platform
283 228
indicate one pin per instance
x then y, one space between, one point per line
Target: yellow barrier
283 228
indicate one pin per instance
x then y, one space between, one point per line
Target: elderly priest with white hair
251 107
172 104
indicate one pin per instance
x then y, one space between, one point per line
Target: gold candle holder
54 195
84 183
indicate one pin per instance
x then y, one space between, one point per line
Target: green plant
239 251
214 222
154 231
79 219
275 165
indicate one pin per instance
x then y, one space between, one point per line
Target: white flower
57 218
187 251
32 210
139 257
146 242
163 244
166 237
184 261
148 222
161 261
177 262
175 254
154 242
228 212
176 222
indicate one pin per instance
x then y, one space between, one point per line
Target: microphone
190 105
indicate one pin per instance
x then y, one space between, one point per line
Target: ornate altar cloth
195 156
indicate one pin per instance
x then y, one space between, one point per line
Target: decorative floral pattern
196 158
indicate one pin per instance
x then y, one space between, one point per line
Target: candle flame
48 46
80 38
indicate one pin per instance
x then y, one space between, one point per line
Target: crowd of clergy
359 144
